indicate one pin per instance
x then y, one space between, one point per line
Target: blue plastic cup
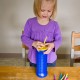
41 64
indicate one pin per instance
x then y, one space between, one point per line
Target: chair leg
71 62
25 62
72 57
23 52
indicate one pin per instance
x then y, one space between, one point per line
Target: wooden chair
75 54
24 52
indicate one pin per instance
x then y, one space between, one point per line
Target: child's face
46 10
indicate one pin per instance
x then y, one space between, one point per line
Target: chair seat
24 46
77 60
77 48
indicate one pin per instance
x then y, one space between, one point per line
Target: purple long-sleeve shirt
33 31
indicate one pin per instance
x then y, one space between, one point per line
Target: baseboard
63 56
19 55
10 55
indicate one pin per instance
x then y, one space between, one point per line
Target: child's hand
50 46
38 44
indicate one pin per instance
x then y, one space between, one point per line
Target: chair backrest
23 45
75 35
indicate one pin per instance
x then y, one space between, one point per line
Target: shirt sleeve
57 37
26 36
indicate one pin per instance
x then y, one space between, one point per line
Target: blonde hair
37 7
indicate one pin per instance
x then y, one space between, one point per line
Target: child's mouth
44 16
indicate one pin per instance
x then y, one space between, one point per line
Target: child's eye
49 11
42 10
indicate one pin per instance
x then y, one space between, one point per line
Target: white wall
68 16
13 16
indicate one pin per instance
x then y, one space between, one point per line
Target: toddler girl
39 27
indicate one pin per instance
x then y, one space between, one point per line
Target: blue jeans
48 64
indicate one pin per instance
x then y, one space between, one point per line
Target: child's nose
46 13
